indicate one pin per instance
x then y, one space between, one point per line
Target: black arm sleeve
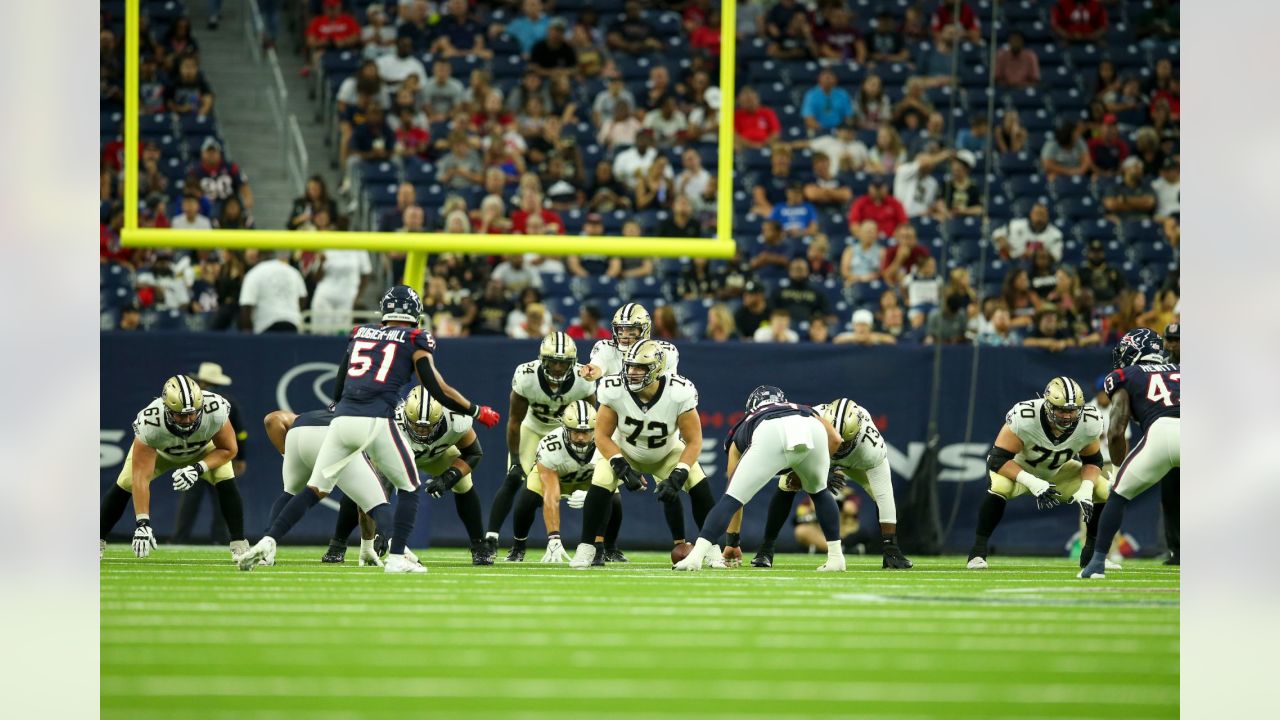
340 380
428 377
471 454
1094 459
997 458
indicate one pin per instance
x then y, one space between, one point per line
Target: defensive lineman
540 391
1033 454
1144 388
378 362
641 412
185 431
773 436
862 457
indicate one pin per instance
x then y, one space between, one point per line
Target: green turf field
186 635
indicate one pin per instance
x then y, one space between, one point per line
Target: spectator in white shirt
1168 189
272 296
191 219
694 181
914 187
393 69
778 329
844 148
667 122
172 292
343 276
634 162
1022 236
515 275
377 36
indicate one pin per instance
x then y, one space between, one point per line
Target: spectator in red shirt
967 22
332 30
900 258
754 125
588 325
531 204
879 207
1078 20
1016 65
1108 149
706 37
109 249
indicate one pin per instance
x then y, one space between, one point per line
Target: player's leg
389 452
599 496
466 501
811 463
184 521
779 510
359 482
115 500
510 487
231 505
1000 490
1066 484
1170 502
611 551
1149 461
528 503
347 520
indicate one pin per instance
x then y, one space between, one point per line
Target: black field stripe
185 389
840 408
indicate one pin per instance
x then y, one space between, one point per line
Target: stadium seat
595 287
1021 163
1127 57
1149 252
1060 78
1070 187
372 173
157 124
557 286
1141 231
642 290
509 66
342 62
1024 100
1026 186
1084 58
419 172
1021 12
965 228
691 310
383 194
753 50
1096 229
1077 209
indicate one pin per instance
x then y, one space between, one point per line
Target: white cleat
1111 564
102 548
978 563
833 564
401 564
715 558
238 548
408 555
266 547
583 556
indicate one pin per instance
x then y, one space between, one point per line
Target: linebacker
1033 455
540 391
641 412
186 432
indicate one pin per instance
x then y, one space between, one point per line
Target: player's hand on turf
732 556
835 482
627 474
184 478
144 540
577 499
1084 498
515 473
1047 498
555 550
487 416
669 490
444 482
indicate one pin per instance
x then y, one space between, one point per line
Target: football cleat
762 560
102 549
490 550
1110 564
715 558
600 559
265 547
1173 559
516 554
894 559
335 555
834 563
408 554
479 556
381 545
1095 570
977 563
238 548
614 555
583 556
401 564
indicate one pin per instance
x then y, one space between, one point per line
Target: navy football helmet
401 304
764 395
1139 345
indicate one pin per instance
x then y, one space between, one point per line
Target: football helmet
631 325
764 395
558 354
843 416
1139 345
580 416
1172 341
183 405
423 416
401 304
648 358
1063 403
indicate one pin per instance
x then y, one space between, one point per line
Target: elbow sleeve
340 380
429 381
1094 459
472 454
997 458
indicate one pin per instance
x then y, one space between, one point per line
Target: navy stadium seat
1141 231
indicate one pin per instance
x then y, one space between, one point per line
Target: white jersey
455 426
647 433
151 429
554 454
868 449
1041 455
545 406
606 356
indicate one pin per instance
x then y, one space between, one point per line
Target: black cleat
599 560
516 554
614 555
480 554
381 545
335 555
762 560
1086 554
1173 559
894 559
490 549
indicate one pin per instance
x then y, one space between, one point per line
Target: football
680 552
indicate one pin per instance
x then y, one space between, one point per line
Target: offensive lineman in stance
379 361
540 391
1033 454
773 436
1147 390
187 431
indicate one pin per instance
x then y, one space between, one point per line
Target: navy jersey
1155 391
379 365
740 434
314 418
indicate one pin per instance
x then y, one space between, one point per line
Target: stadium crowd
867 173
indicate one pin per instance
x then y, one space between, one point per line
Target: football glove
1047 498
627 474
1084 497
144 540
487 416
835 482
577 499
443 482
669 490
515 473
184 478
555 550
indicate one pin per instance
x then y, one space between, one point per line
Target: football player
563 466
1034 454
1145 389
631 325
1171 486
540 391
647 423
379 361
185 432
776 435
862 457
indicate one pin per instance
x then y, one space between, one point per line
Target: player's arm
550 497
224 448
341 379
1090 472
450 398
144 466
606 423
278 424
470 452
519 408
1119 422
1000 461
833 437
734 457
690 425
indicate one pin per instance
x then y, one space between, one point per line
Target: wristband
202 467
733 539
143 517
474 410
553 535
682 466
